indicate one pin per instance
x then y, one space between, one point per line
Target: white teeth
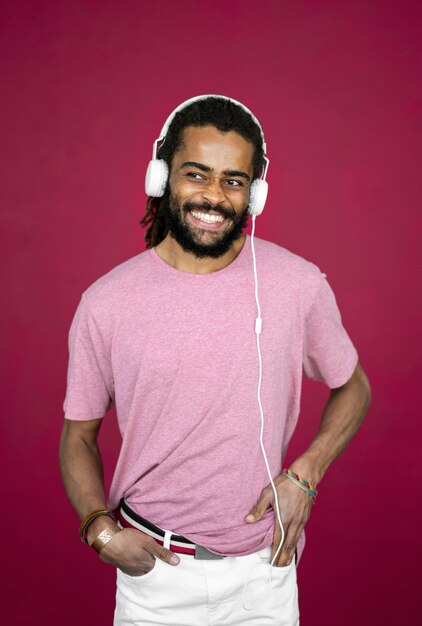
207 218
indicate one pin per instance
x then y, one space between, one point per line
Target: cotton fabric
208 593
176 353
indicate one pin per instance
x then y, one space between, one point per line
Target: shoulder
118 284
285 272
275 257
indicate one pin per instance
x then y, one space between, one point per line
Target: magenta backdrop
88 85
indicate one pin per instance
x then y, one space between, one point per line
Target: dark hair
224 115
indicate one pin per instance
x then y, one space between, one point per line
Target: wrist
104 538
308 468
98 525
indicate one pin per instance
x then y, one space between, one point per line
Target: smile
208 219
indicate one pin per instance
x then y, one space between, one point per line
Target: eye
195 176
234 183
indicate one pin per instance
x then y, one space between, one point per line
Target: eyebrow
199 166
237 173
205 168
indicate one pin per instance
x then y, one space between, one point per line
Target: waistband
127 518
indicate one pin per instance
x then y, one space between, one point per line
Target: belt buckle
204 553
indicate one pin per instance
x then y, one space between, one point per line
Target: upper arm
82 431
358 378
90 382
329 355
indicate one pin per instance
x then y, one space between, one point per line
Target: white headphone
158 171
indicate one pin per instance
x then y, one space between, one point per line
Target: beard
188 237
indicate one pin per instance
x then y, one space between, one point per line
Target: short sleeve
90 386
329 355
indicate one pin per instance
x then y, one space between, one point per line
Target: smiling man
169 338
207 202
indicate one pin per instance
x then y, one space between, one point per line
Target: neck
173 254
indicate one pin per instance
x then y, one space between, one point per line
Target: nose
214 192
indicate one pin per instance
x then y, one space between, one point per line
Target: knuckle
164 554
151 544
146 542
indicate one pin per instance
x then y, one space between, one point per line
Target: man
169 336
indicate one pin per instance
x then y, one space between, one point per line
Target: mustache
204 207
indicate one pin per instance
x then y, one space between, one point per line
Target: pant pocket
264 557
134 580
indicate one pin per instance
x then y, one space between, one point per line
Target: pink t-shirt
176 352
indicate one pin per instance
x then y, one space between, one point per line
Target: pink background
88 85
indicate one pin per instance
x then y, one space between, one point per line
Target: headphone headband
186 103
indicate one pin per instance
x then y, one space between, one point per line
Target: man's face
211 173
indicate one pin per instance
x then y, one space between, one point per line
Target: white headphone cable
258 329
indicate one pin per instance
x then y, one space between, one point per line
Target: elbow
361 384
369 393
365 386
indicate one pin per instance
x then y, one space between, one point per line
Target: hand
295 508
132 552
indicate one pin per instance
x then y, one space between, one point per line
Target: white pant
209 593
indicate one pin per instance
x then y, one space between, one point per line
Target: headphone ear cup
156 178
257 196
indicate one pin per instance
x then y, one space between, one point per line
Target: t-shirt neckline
209 275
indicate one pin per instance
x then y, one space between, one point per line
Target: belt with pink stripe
176 543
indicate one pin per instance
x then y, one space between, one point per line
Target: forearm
342 416
82 473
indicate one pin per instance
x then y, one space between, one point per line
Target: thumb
257 511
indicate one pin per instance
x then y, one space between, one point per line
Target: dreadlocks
224 115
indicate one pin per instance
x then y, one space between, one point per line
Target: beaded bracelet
300 482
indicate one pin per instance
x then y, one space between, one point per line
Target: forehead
214 148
